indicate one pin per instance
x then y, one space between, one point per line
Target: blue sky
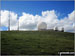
63 8
35 7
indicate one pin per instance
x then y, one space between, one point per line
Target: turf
36 42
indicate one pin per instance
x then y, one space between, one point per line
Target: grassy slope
37 42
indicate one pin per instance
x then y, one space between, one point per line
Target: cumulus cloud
71 16
4 18
5 15
29 21
50 18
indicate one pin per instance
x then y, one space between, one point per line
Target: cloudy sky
30 13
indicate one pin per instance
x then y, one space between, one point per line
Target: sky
30 13
31 6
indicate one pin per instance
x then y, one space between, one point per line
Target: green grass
36 42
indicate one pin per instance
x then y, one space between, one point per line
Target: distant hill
36 42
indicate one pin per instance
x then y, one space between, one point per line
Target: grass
36 42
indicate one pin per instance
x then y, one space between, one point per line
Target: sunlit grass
36 42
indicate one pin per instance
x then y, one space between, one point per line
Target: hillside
36 42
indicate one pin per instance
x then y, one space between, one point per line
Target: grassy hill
36 42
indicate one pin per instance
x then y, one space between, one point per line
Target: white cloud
5 17
50 18
71 16
67 22
29 22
